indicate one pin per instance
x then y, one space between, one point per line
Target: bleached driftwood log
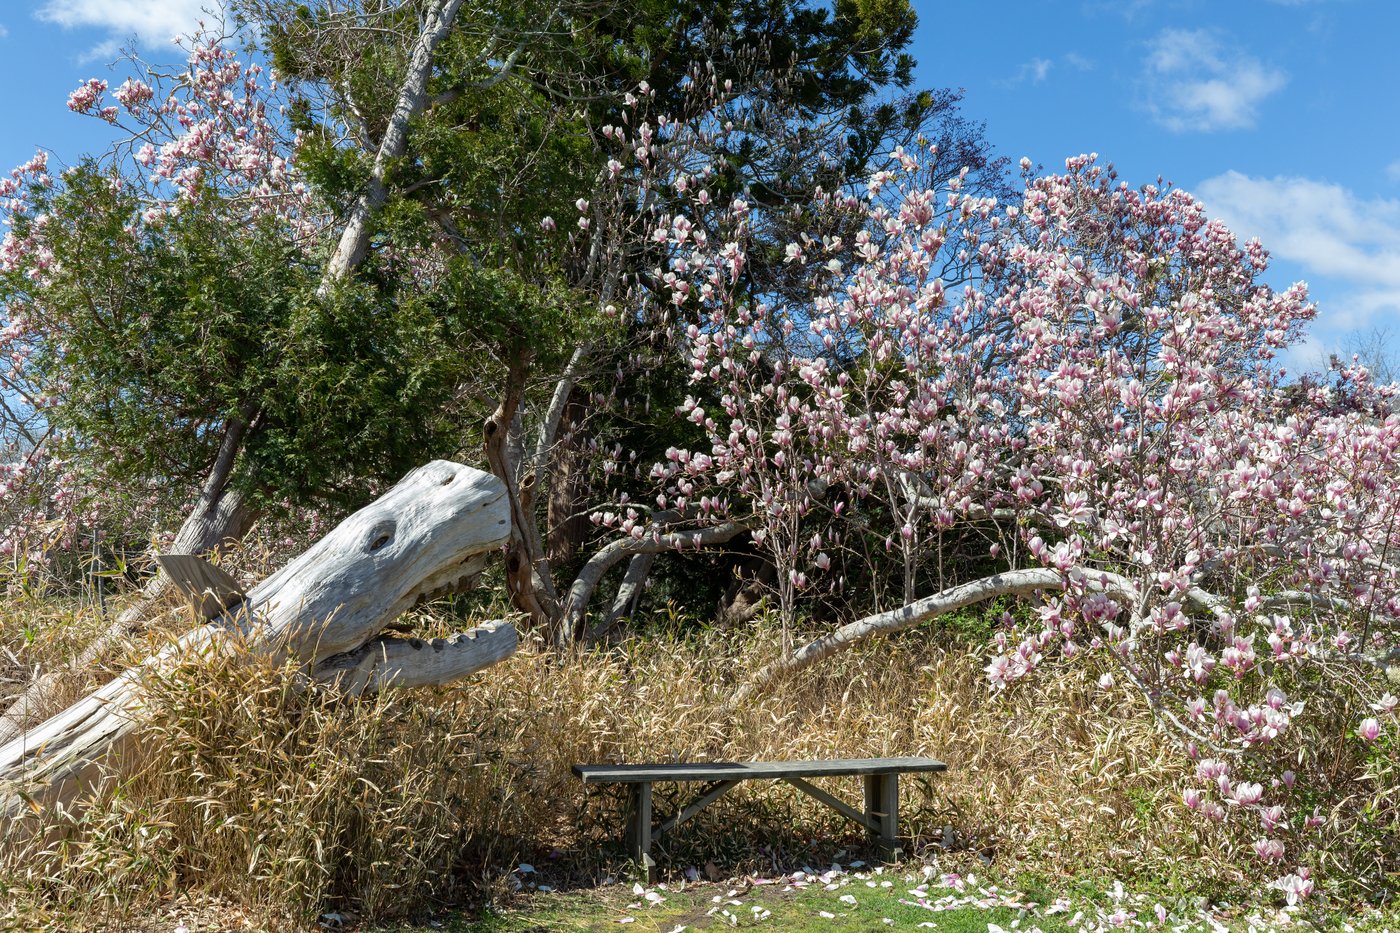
325 608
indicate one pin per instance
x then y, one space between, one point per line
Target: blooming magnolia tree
1071 400
187 141
1101 405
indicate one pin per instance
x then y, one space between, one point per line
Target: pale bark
417 662
581 592
333 600
554 415
1011 583
354 239
629 592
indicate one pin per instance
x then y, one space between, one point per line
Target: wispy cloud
1038 69
3 31
1194 83
1128 9
1326 230
151 22
1393 170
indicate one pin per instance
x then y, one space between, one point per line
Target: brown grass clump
256 793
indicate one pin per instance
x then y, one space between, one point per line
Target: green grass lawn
867 901
716 907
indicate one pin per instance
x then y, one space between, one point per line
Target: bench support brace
708 796
835 803
880 817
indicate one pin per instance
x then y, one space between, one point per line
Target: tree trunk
753 580
528 575
325 609
566 484
354 239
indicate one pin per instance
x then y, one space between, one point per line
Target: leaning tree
181 322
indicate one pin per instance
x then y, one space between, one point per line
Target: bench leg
639 830
882 807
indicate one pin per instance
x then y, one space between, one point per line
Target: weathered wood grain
335 598
744 770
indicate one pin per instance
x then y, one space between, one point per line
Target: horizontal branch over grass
1011 583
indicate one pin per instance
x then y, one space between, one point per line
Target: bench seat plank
744 770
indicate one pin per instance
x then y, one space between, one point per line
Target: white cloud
1038 69
1392 170
1323 228
152 22
3 31
1194 83
1128 9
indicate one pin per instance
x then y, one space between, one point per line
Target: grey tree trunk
325 609
354 239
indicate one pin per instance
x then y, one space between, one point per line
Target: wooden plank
713 793
744 770
835 803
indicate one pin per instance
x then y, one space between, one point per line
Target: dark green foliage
159 334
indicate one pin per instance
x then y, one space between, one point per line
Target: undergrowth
249 790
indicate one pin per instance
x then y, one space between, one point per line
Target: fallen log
325 609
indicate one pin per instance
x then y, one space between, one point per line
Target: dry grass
261 798
257 794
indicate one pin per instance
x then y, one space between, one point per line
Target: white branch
1011 583
417 662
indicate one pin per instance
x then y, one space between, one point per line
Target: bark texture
325 609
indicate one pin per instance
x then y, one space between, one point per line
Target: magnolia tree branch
559 400
1011 583
628 593
576 603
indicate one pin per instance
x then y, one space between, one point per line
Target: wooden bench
880 816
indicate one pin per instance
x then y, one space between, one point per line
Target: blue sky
1280 114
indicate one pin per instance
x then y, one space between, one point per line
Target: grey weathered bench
880 816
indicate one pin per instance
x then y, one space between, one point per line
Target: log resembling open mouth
327 608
